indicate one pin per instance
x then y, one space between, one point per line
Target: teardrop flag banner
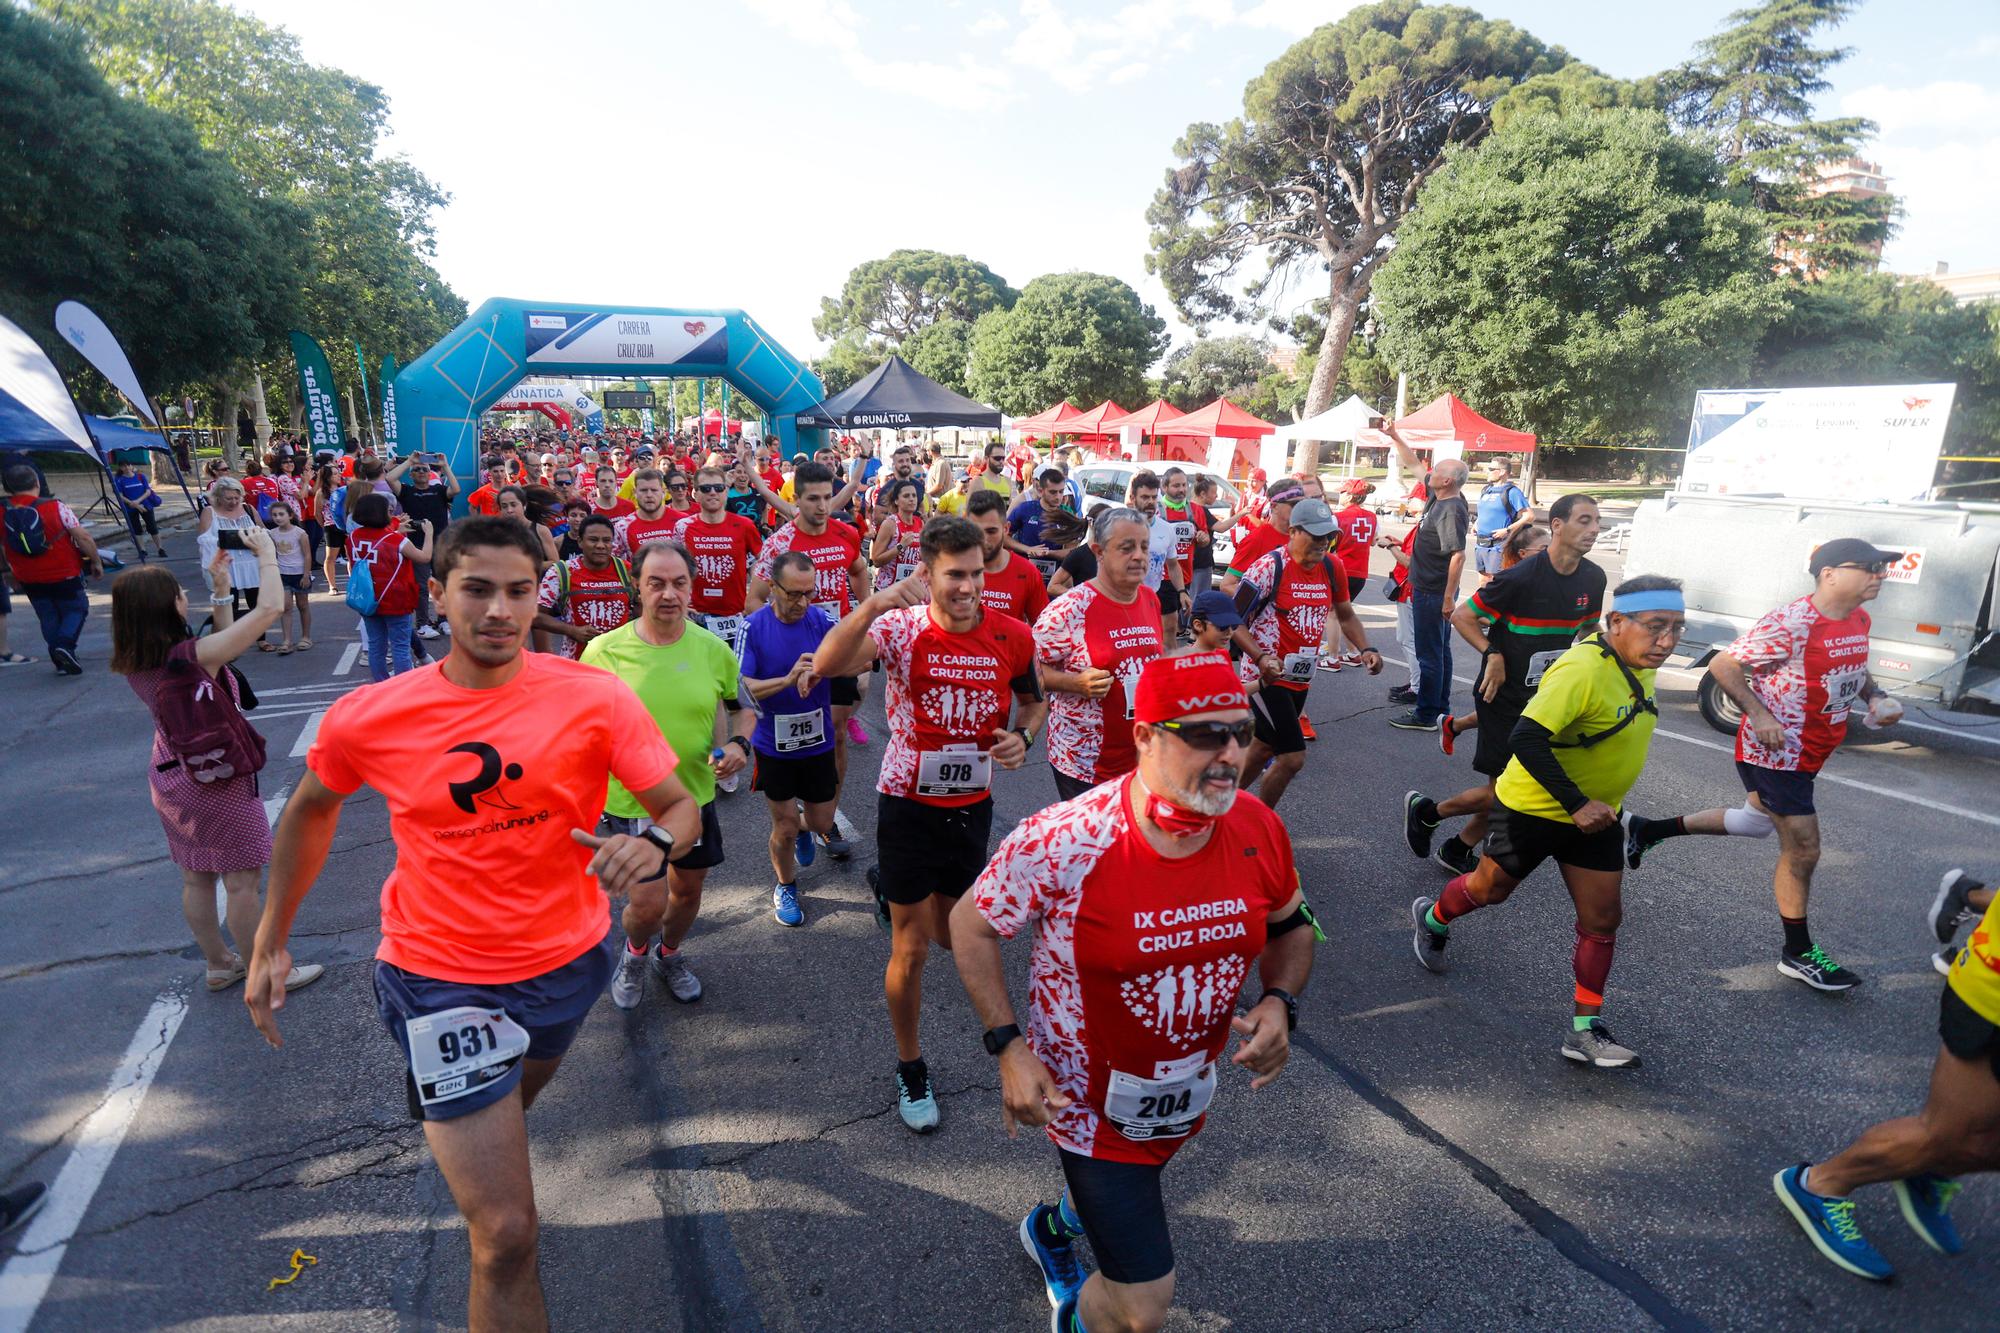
322 408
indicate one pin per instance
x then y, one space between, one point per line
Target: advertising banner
608 338
322 408
83 330
390 436
1871 442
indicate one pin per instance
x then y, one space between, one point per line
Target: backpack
360 596
205 732
1640 700
26 534
1265 597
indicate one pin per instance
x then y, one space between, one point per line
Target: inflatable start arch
440 395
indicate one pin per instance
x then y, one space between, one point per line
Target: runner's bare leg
484 1158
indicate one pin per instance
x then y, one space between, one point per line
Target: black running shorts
1275 714
812 778
1491 749
1124 1215
924 849
1069 788
705 856
1519 843
1966 1034
845 691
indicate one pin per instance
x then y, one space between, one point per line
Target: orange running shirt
483 788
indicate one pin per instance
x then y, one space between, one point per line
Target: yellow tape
299 1261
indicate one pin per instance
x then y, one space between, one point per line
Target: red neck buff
1177 821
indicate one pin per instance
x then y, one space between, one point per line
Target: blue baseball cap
1218 609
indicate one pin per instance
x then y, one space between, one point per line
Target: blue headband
1653 599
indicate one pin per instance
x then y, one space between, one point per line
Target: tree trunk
1343 303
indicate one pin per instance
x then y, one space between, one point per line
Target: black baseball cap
1849 551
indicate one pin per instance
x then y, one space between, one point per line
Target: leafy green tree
1752 86
849 358
300 133
1871 328
1081 336
1336 138
893 297
108 201
1575 87
1210 368
942 351
1580 276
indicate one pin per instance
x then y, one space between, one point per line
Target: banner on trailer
391 437
83 330
1868 442
557 337
316 392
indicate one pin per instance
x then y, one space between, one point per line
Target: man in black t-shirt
1436 561
427 495
1519 623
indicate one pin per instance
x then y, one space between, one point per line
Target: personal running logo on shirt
1181 1003
481 786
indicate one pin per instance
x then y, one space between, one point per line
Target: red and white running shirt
721 554
909 552
1137 960
946 691
1017 590
833 554
1293 622
1091 739
635 530
1358 528
597 597
1807 670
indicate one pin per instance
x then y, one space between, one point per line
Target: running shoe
22 1202
681 982
856 733
805 848
1350 659
918 1106
1417 831
628 983
1063 1318
1817 970
1634 849
66 663
427 631
785 905
1402 694
1306 728
836 846
881 903
1456 857
1428 943
1941 961
1594 1047
1829 1224
1948 910
1926 1205
1447 735
1053 1253
1331 663
1409 721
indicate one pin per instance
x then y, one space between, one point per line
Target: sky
749 153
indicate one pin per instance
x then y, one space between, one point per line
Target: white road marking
24 1282
307 736
329 688
348 656
1979 816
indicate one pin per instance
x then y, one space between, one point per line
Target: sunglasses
710 488
1212 735
1872 567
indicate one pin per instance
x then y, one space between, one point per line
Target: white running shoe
628 983
681 982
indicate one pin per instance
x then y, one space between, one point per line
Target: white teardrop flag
83 330
27 374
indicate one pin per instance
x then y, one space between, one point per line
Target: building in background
1972 287
1851 178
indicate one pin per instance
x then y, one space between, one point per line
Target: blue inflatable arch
440 395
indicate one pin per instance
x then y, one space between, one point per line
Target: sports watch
663 840
1291 1003
999 1039
1027 737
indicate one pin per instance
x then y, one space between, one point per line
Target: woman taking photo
215 828
385 544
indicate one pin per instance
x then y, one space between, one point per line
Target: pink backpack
206 733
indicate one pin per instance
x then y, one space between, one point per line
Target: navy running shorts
1783 791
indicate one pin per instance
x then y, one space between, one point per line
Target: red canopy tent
1446 419
1157 437
1226 420
1090 430
1045 421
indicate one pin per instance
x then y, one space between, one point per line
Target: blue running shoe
1063 1318
804 847
1053 1253
785 905
1926 1205
1829 1224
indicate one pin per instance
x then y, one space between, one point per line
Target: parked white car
1106 482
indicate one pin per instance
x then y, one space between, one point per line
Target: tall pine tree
1752 86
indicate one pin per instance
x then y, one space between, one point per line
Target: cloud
1294 16
833 26
1944 105
989 23
1939 146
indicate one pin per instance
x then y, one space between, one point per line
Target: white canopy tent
1339 423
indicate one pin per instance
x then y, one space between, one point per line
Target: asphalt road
1427 1160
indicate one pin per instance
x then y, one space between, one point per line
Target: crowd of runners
632 628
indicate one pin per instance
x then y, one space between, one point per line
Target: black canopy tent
895 395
